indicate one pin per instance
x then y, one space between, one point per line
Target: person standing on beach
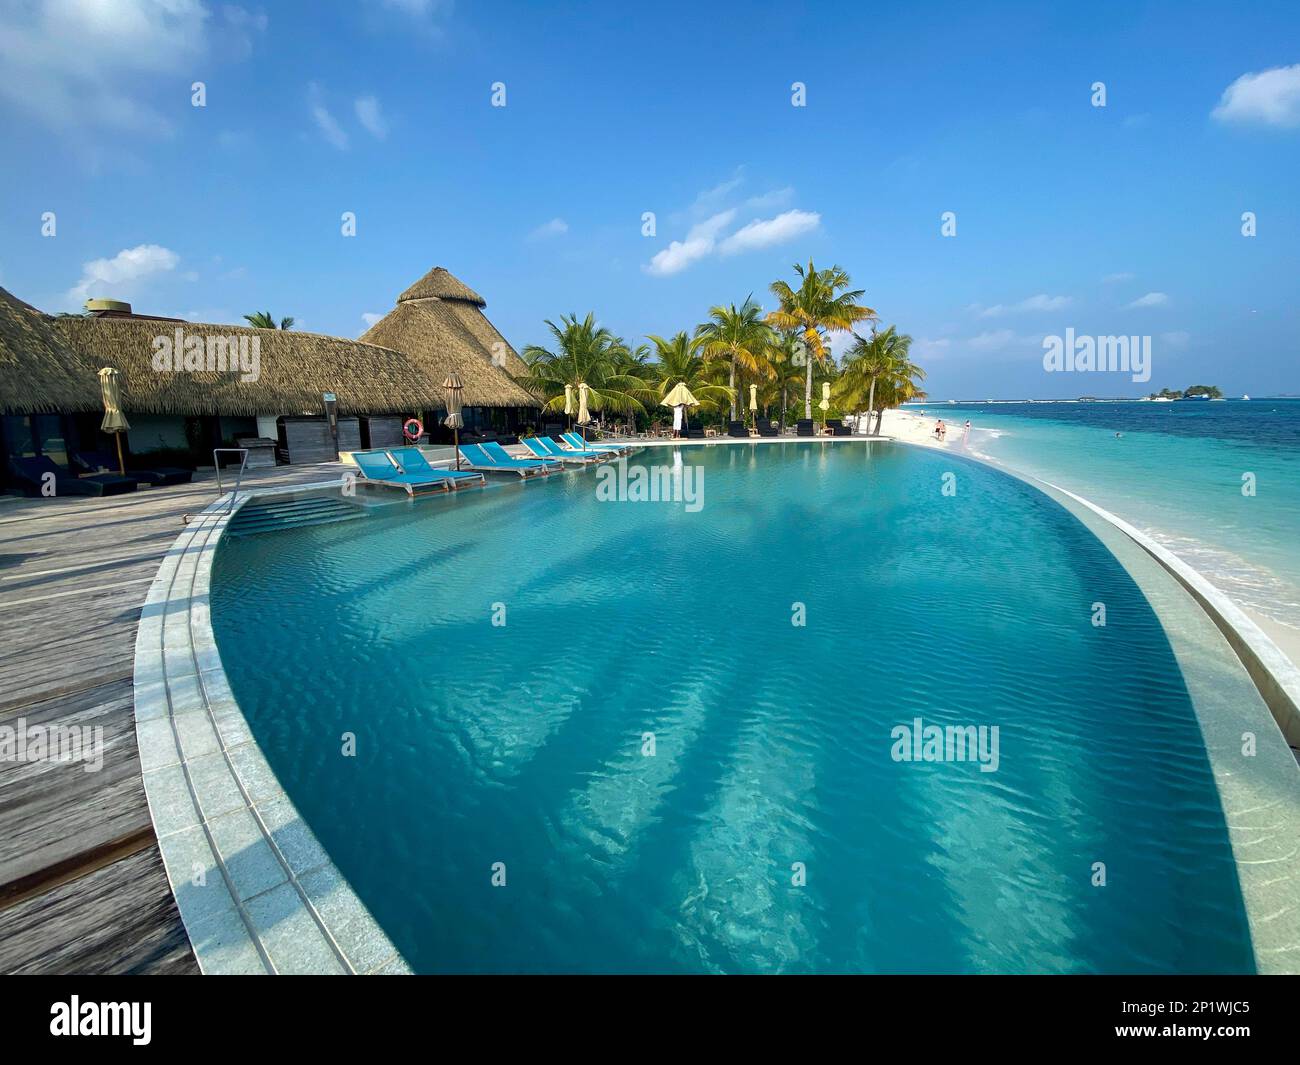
678 410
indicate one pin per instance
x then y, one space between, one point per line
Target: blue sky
1123 219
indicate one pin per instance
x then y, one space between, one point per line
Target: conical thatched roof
38 370
440 319
440 284
430 332
476 323
293 370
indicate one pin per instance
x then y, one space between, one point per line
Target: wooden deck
82 885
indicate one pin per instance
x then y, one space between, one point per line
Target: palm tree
585 353
817 306
787 360
679 359
881 368
739 335
263 320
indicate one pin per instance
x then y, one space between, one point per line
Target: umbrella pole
455 435
121 462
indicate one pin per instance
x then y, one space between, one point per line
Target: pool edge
256 891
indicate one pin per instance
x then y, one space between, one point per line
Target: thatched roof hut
292 369
38 370
440 322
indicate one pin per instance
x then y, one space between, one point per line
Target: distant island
1194 392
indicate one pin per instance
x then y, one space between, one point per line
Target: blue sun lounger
379 467
478 459
578 444
534 445
497 453
412 460
556 452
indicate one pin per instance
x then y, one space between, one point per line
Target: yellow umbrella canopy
584 415
753 397
825 404
110 388
679 395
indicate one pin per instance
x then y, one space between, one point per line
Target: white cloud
923 348
1151 299
118 277
370 318
1113 279
699 242
768 201
371 116
556 227
1041 302
1270 98
708 201
992 341
80 65
1177 340
325 121
763 233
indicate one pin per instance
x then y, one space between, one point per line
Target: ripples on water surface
1175 471
522 744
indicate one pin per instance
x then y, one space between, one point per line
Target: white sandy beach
912 427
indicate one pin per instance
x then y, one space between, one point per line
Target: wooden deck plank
134 928
82 887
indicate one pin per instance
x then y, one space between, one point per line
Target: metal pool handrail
242 452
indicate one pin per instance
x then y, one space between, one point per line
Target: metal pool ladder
242 452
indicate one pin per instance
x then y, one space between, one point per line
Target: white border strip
255 889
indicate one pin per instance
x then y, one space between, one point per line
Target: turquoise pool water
1175 471
525 743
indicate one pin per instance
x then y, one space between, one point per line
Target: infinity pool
611 706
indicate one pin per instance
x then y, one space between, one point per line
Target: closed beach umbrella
110 388
568 400
454 421
753 397
825 404
584 415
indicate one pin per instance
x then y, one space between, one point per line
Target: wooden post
121 462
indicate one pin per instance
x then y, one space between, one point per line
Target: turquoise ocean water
665 773
1176 472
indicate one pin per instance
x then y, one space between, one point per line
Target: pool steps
274 514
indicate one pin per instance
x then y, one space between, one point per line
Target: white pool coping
256 891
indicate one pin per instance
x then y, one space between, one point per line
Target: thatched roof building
440 322
38 370
292 370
